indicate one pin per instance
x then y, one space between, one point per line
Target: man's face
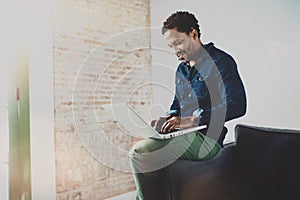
184 46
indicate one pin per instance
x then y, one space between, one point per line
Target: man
209 91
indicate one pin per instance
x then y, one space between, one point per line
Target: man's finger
167 127
152 123
163 127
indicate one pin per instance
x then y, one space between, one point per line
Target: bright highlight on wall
27 27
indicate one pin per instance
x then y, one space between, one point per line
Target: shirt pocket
199 87
181 85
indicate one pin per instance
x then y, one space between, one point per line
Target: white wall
262 36
43 174
27 25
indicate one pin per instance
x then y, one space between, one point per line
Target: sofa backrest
268 157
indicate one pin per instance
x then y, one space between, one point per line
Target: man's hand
179 122
158 123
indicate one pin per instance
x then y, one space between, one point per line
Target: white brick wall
91 69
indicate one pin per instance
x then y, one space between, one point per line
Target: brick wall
101 56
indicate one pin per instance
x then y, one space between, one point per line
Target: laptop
130 121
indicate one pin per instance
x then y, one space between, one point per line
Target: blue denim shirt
212 89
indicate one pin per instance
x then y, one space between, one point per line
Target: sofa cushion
268 160
209 180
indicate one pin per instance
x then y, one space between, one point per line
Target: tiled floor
126 196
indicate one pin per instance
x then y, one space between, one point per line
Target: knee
135 155
135 150
143 146
138 150
132 153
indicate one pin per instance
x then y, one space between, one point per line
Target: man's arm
232 93
230 90
175 107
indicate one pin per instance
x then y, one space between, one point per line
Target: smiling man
209 91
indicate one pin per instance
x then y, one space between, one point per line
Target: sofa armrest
268 158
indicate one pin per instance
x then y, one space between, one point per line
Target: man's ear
194 34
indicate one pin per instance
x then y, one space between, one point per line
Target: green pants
150 155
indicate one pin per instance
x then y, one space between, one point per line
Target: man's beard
180 55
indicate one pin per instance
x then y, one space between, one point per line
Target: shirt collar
205 63
204 55
204 52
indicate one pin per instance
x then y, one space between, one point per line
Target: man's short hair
182 21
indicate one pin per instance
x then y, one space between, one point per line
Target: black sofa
263 164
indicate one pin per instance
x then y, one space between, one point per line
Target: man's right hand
158 123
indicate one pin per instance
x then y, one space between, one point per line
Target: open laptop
136 126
